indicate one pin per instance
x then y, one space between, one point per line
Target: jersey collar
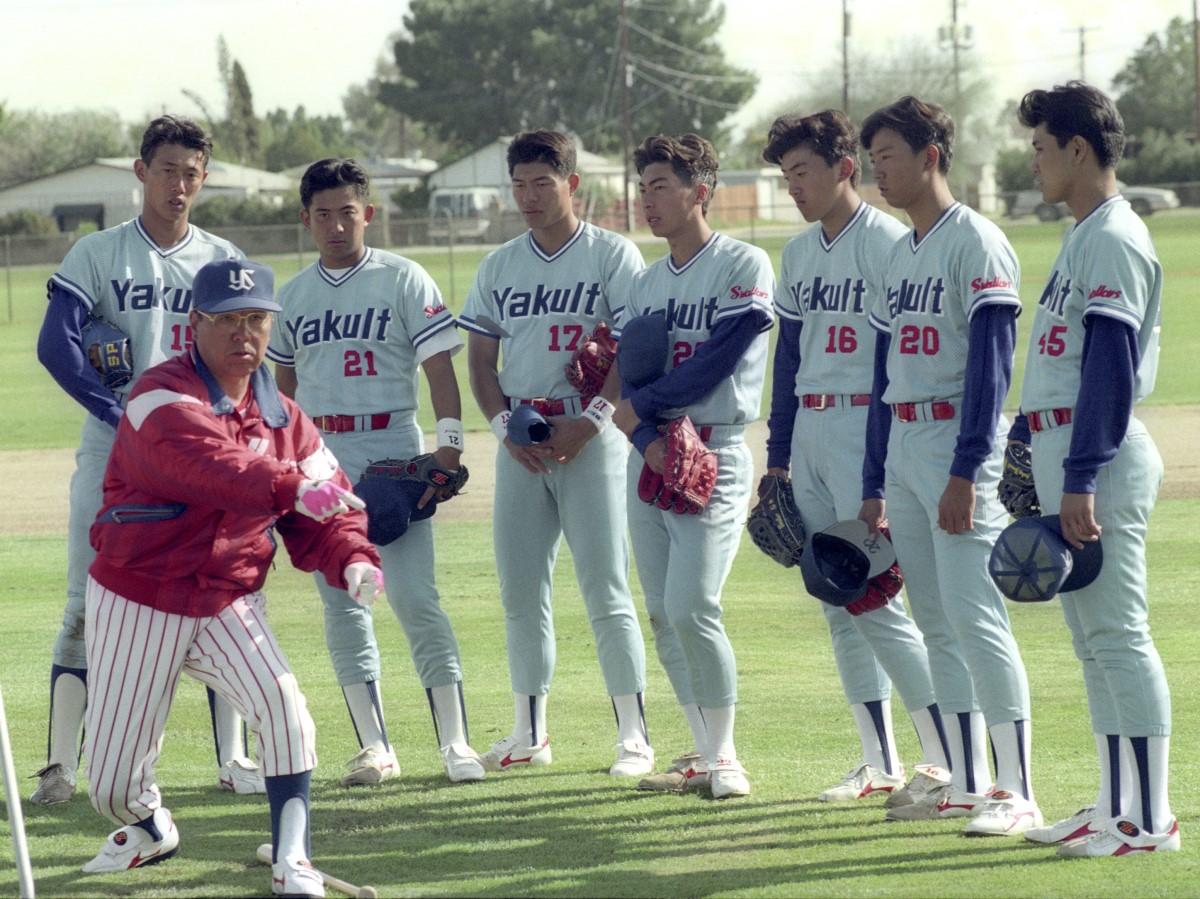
547 257
679 270
914 244
346 274
1107 201
827 245
266 393
166 252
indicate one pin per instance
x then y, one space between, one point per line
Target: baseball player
355 327
946 317
716 294
137 277
1093 354
822 387
209 464
535 299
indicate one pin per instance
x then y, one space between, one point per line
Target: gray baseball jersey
356 337
548 303
930 292
828 286
1107 266
724 279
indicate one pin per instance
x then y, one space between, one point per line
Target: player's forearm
1105 402
483 355
60 350
784 401
879 424
697 376
989 372
443 386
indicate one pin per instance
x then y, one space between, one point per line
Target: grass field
40 415
570 830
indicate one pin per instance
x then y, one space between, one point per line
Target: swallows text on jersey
366 324
916 297
543 300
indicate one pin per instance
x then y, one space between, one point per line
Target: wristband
500 424
599 412
450 433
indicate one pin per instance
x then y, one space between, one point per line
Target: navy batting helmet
527 426
840 560
643 349
1031 562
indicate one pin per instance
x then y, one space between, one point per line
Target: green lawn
570 830
39 414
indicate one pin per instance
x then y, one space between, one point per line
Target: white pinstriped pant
135 656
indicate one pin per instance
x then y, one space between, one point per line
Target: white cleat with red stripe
133 847
507 754
863 781
241 776
1120 836
1004 815
1084 822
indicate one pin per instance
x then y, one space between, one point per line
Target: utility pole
1083 30
955 38
846 56
1196 63
626 116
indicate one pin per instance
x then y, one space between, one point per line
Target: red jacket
196 489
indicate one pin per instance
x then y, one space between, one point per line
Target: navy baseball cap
1032 562
643 349
231 285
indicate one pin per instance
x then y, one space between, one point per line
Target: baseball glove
774 522
424 470
591 362
1018 494
109 351
689 471
880 589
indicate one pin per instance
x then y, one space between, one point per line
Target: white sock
529 728
68 703
1113 761
227 729
1150 806
927 723
449 713
365 702
874 722
1011 743
698 727
631 718
719 722
966 733
293 830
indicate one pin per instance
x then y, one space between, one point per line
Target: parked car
469 210
1144 200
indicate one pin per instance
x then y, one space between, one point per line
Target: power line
688 95
667 70
658 39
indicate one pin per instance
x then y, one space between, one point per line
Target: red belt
1051 418
544 406
820 401
337 424
938 410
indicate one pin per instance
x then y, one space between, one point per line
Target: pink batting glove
321 500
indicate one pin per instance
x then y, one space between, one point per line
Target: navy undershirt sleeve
60 350
879 423
695 378
1105 402
1020 429
989 373
784 401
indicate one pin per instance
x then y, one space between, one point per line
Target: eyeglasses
255 322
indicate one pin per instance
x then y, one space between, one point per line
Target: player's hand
656 455
956 508
625 418
364 583
447 457
569 436
771 473
874 514
321 500
531 458
1078 517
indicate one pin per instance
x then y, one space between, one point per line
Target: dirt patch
36 481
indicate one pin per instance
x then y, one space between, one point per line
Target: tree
235 136
34 144
877 80
298 139
1155 86
27 222
380 131
475 69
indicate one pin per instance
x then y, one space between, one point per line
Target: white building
107 192
488 167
